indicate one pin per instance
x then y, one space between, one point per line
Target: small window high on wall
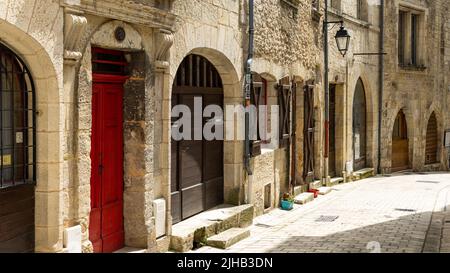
410 38
17 122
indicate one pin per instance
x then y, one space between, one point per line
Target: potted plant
287 202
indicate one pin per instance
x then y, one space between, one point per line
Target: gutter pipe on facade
381 84
248 86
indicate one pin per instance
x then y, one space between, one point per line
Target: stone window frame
292 6
418 61
335 4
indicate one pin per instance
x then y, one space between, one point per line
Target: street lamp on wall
343 40
343 43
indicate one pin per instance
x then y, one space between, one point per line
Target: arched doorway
359 127
18 155
400 144
197 177
431 150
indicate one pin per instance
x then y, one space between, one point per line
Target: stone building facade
354 88
416 86
106 173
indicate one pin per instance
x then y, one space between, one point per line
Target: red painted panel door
106 220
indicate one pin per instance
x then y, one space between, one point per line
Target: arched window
17 122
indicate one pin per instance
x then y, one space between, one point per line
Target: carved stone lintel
75 26
164 41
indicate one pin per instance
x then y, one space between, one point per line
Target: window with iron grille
17 122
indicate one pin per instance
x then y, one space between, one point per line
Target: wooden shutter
431 153
309 125
258 97
285 102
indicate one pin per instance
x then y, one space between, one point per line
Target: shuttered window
259 99
285 96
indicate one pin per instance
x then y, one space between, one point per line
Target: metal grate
406 210
17 122
428 182
327 219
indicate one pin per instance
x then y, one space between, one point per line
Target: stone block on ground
315 185
336 181
324 190
363 174
304 198
209 223
228 238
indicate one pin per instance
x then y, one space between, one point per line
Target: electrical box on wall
72 239
159 207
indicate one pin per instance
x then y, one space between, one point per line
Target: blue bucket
286 205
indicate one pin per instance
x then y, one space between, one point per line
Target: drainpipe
381 83
248 85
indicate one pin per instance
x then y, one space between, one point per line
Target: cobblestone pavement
381 214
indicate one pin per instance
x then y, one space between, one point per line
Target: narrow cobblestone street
381 214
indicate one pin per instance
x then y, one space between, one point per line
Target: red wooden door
106 221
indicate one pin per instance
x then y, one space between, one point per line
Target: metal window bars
17 122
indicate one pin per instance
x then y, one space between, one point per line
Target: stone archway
233 150
359 127
197 180
431 145
400 144
48 86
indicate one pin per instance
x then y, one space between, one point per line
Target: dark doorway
332 159
17 155
359 128
400 144
431 152
197 165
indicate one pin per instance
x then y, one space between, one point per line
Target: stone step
363 174
304 198
298 190
131 250
324 190
315 185
336 181
198 229
228 238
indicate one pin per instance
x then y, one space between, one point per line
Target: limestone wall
418 92
33 29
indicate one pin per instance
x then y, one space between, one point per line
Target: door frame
366 127
202 90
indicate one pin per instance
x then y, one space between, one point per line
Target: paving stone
367 217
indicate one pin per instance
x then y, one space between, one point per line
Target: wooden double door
197 176
400 144
106 230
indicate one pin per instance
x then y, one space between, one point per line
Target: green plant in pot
287 202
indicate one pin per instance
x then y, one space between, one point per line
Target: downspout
248 85
381 84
